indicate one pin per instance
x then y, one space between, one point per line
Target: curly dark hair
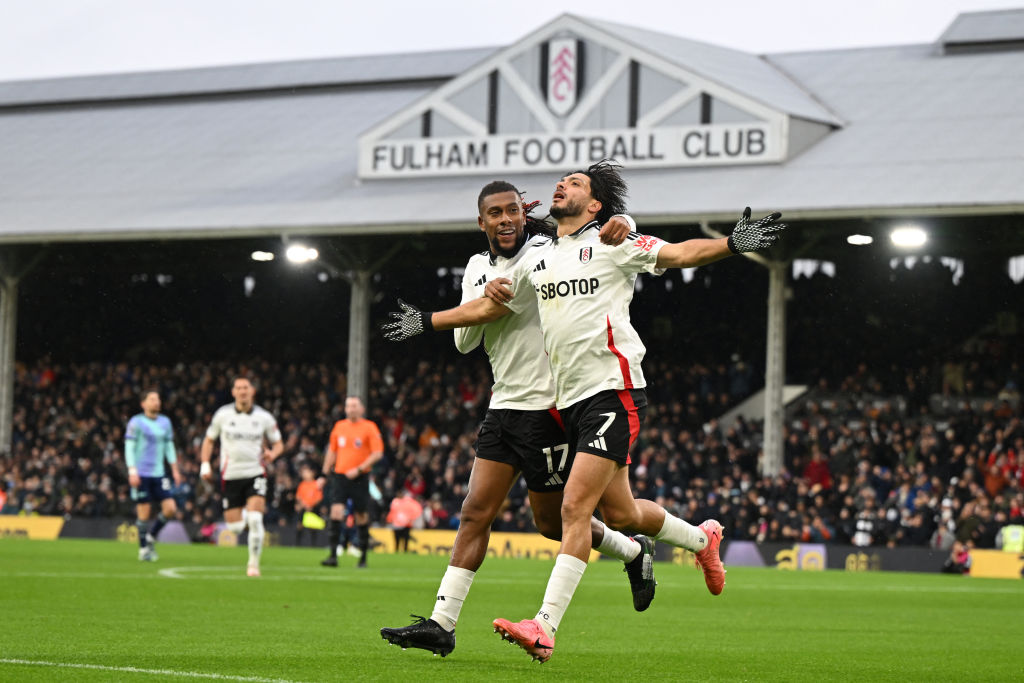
607 187
533 225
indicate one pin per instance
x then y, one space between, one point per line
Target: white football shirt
582 290
241 440
514 344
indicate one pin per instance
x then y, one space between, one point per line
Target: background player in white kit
249 439
582 291
521 432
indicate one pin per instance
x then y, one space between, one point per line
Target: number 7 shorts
607 423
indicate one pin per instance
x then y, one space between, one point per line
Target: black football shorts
532 441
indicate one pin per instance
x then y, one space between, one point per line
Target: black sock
364 540
140 526
154 530
334 534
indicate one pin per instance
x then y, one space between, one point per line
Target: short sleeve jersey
148 442
353 442
582 290
514 343
241 439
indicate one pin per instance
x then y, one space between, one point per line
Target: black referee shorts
343 489
532 441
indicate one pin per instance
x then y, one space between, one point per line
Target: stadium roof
272 149
985 30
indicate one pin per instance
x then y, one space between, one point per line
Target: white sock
618 545
255 538
235 527
564 578
681 534
450 595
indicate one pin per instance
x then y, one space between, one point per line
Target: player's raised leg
621 510
636 552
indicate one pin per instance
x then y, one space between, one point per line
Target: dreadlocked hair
607 187
533 225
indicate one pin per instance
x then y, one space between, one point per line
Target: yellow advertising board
502 544
35 528
997 564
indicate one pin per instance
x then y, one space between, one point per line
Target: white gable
565 96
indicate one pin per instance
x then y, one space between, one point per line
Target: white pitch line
137 670
299 574
875 589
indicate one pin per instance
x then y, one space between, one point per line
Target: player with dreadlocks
582 291
521 431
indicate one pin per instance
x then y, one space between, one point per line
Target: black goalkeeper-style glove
747 236
410 322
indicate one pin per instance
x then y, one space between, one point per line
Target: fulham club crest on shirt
585 254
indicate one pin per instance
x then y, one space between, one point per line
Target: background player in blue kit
148 442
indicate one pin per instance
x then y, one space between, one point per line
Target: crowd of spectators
867 471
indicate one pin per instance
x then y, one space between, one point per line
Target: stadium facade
370 154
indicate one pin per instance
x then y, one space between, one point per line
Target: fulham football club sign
575 92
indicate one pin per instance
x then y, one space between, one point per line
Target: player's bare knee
477 513
575 512
551 529
618 518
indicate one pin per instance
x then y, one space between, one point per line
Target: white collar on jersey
591 224
492 258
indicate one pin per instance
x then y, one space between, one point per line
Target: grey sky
44 38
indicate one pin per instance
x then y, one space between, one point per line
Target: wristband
732 245
204 469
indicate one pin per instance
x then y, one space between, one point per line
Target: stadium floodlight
860 240
908 236
300 253
262 256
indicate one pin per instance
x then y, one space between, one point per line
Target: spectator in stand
817 473
308 497
66 452
1010 537
959 561
405 513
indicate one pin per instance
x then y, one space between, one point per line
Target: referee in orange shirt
354 447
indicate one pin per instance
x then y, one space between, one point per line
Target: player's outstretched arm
411 321
205 454
746 237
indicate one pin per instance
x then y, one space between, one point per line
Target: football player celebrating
582 290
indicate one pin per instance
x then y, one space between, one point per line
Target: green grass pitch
194 615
